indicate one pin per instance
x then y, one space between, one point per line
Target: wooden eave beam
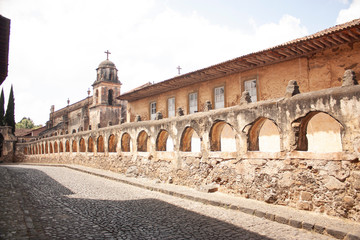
338 39
350 33
330 39
320 45
342 35
323 41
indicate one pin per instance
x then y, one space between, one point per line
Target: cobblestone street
40 202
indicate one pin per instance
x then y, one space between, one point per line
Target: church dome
106 64
107 72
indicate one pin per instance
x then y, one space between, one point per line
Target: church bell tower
106 109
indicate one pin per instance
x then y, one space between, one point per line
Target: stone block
334 184
306 196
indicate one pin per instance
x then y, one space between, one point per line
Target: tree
2 111
10 111
25 123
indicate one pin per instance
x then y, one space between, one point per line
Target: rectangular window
152 110
219 97
250 86
193 103
171 107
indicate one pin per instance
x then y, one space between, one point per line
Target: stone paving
43 202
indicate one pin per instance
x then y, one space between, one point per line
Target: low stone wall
321 182
326 186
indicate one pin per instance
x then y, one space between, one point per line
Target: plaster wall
319 71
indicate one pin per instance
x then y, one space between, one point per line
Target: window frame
197 102
174 108
152 115
214 96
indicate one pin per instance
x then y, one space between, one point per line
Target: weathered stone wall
314 181
315 72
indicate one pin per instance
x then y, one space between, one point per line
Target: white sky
56 45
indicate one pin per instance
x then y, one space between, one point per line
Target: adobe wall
318 71
327 182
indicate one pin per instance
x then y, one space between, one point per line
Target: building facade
94 112
316 62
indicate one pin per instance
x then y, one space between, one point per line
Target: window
193 102
152 110
171 107
250 86
219 97
110 97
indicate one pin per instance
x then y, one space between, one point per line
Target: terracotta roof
22 132
340 34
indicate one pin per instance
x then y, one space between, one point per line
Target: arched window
51 148
222 137
319 132
46 148
100 144
55 147
110 97
264 136
112 143
164 142
67 146
142 142
42 149
82 145
61 147
74 146
190 141
125 143
90 145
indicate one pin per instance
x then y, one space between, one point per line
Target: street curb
346 231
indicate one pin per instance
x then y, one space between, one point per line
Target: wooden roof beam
338 39
254 61
320 45
296 49
302 48
323 41
352 34
342 35
331 40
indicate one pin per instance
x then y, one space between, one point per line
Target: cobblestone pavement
40 202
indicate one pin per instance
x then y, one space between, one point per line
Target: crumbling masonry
289 171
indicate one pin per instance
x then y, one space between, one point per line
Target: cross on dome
107 54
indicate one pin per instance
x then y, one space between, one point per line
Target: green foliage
10 111
2 111
25 123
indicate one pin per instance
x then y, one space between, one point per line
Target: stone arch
67 146
74 146
100 144
55 147
46 148
143 142
51 148
61 147
264 135
42 149
25 150
82 146
190 140
112 143
90 144
319 132
222 137
37 149
126 143
164 141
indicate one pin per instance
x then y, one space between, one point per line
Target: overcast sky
56 45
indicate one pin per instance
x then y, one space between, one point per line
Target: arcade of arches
275 151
